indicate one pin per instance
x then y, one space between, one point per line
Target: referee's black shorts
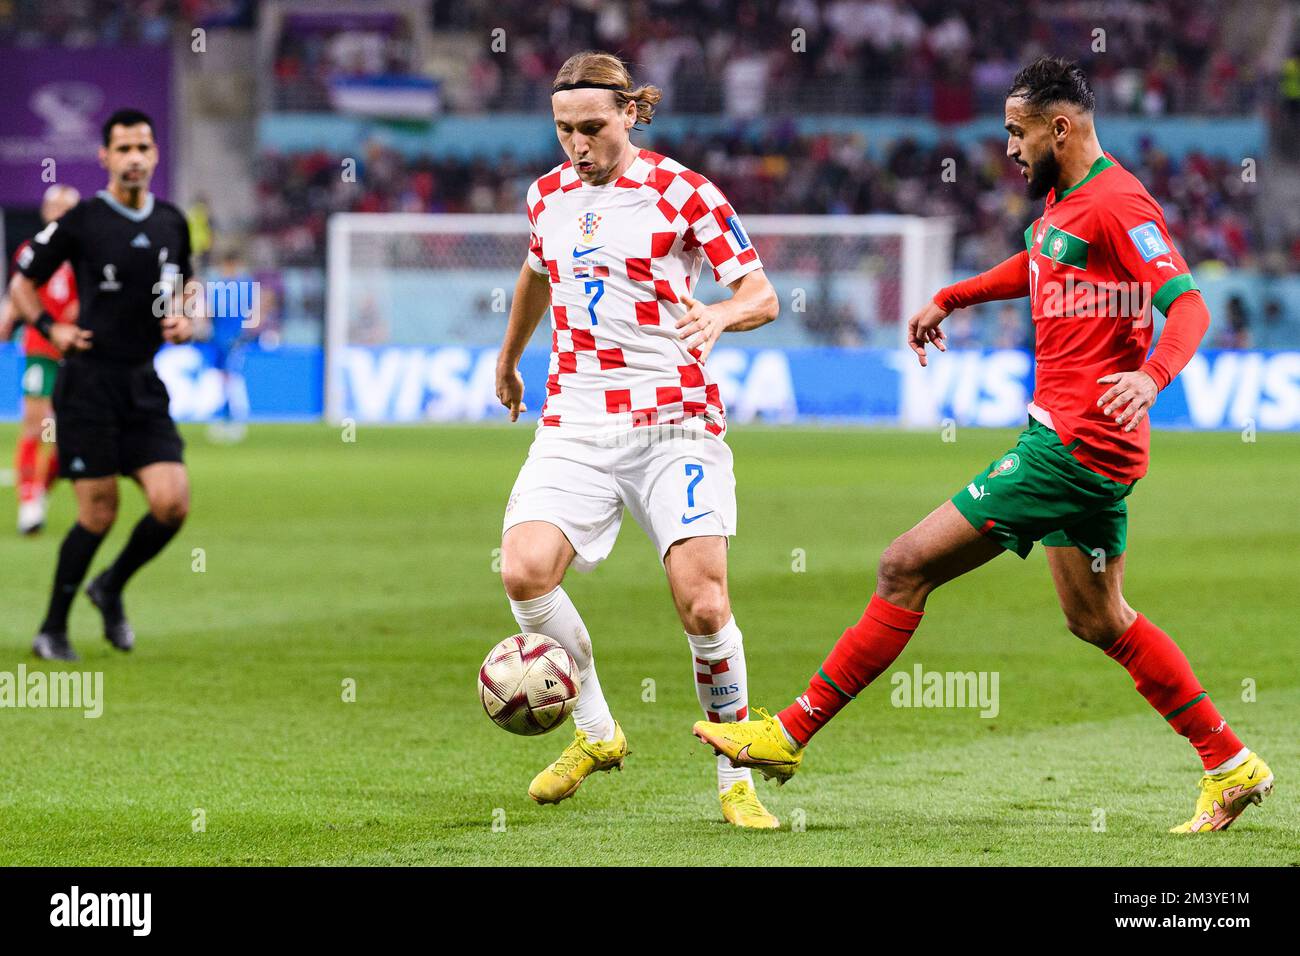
112 419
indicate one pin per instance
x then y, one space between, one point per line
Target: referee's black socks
75 554
147 538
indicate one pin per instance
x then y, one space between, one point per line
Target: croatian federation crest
589 222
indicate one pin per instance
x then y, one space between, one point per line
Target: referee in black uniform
111 408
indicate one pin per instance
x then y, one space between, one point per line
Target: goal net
417 303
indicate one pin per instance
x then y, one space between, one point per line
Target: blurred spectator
962 330
317 48
1289 93
1235 333
1012 328
200 222
1279 329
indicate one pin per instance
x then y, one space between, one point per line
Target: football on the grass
528 684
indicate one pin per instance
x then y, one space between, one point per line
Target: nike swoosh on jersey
578 254
686 520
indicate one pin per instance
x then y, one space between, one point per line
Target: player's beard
1043 175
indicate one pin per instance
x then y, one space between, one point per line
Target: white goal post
418 281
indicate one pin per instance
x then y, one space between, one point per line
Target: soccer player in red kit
1095 263
35 471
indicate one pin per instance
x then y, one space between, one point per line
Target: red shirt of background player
56 296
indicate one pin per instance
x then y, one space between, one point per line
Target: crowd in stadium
1203 197
1205 203
944 58
947 60
81 23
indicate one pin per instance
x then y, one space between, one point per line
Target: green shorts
1038 490
38 376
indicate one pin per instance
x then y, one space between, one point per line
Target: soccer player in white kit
632 418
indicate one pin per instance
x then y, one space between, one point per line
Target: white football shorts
676 487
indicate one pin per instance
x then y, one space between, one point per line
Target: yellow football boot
760 744
580 760
1225 795
740 806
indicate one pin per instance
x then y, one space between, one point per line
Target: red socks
25 466
860 656
1165 679
1159 669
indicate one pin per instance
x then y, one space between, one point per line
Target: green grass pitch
372 561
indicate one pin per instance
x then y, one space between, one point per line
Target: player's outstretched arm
532 296
1008 279
753 304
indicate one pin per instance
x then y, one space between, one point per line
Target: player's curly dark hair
593 66
1053 79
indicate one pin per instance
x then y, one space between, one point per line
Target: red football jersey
1100 258
59 292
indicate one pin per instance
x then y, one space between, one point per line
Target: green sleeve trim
1174 713
1029 236
822 674
1171 290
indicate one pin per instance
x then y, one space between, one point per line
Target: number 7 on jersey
599 286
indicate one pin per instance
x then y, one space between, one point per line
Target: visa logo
1236 388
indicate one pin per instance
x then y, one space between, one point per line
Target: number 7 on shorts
696 469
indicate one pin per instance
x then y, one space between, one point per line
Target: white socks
555 616
793 743
722 688
1232 763
720 681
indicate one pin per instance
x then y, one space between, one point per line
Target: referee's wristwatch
44 324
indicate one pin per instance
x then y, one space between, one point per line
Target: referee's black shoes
117 629
54 646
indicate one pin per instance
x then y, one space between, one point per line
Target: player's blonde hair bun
592 66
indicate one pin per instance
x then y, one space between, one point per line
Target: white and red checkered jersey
619 257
